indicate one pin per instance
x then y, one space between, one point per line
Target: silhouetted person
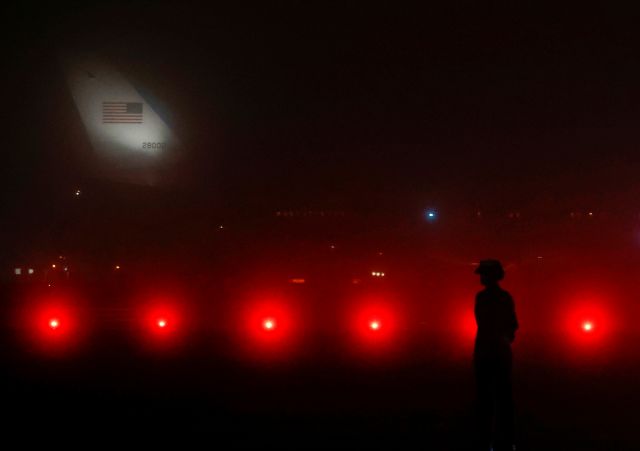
497 325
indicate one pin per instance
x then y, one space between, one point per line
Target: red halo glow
269 328
374 325
53 325
162 322
588 322
269 324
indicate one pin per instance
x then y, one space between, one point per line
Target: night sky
350 107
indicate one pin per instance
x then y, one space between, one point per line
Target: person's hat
491 268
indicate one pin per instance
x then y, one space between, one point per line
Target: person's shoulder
506 295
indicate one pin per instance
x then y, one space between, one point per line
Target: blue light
431 215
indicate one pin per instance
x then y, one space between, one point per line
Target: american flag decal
121 112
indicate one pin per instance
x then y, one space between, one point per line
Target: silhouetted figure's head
490 271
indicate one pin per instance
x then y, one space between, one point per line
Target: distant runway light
375 325
269 324
163 323
431 215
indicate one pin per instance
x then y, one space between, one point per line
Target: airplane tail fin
130 141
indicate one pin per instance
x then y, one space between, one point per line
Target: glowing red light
163 323
590 321
269 324
374 324
270 328
54 324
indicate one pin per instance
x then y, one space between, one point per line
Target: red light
589 322
163 323
462 322
55 324
270 328
374 325
269 324
377 321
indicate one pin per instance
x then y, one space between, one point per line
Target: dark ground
112 393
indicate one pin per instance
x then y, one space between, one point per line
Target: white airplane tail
130 141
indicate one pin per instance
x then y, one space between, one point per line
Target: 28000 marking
152 145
